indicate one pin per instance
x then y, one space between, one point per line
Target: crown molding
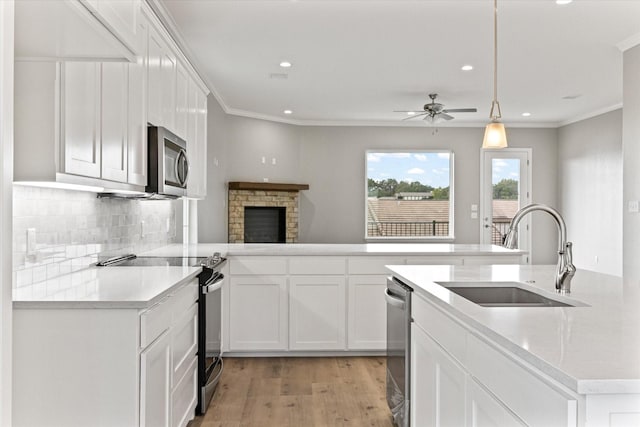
590 115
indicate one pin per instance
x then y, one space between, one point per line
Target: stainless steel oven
168 169
398 297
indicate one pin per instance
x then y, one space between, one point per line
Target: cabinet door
437 384
155 50
155 383
185 397
366 313
258 313
81 118
197 141
168 68
137 124
182 104
485 411
317 313
114 121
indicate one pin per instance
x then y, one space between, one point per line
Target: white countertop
262 249
104 287
590 349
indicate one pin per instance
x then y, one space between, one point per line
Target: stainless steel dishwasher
398 297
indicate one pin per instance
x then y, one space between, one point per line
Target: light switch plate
634 206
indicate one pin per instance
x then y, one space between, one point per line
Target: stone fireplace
278 219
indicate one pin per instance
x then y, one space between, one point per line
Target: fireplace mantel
266 186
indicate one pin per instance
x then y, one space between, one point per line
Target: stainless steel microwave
168 163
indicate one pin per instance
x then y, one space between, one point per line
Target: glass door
505 188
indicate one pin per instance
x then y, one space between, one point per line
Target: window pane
408 194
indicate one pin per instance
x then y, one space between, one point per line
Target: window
409 195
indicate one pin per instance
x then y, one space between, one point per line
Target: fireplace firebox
265 224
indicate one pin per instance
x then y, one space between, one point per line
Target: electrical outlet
142 229
634 206
264 160
168 224
474 215
474 208
265 179
273 161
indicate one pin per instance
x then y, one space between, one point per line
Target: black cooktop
160 261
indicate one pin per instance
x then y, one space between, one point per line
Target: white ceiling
354 62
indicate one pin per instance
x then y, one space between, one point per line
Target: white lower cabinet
462 380
484 410
258 313
155 383
115 366
437 384
317 313
367 320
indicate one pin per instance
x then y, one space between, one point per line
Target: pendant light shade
495 135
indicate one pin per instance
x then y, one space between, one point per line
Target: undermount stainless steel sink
502 294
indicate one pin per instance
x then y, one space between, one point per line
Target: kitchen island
575 365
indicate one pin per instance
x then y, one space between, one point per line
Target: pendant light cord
495 105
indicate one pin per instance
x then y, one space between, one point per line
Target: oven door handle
214 286
393 300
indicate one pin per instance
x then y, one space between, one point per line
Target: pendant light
494 134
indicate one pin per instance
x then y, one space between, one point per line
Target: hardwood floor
300 392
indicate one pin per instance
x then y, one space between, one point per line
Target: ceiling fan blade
460 110
414 116
408 111
445 116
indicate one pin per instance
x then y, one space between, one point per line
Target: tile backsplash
71 230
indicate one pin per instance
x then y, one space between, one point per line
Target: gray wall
631 162
332 161
590 177
334 167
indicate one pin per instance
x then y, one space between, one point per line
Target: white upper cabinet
182 102
114 129
137 123
81 118
162 68
197 141
73 30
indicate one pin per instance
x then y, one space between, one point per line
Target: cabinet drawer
155 321
184 341
258 265
517 388
450 335
372 265
317 265
184 397
183 299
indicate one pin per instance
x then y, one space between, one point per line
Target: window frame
450 237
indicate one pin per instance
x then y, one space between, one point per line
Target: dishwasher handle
393 300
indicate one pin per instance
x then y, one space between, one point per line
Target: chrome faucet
566 270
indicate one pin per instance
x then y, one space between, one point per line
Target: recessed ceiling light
411 113
285 64
467 67
562 2
526 114
288 112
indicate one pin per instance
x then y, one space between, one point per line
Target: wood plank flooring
299 392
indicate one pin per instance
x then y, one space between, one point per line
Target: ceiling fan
435 111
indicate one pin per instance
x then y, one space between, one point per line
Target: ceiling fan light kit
495 135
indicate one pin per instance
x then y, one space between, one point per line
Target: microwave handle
178 165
